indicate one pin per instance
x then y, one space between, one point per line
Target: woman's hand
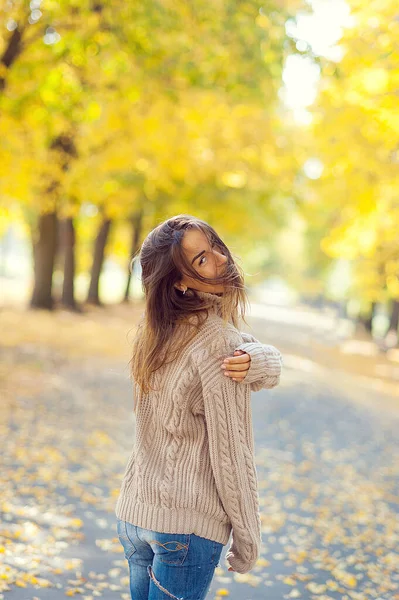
237 366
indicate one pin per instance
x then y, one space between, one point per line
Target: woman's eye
200 262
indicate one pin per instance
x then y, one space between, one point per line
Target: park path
327 465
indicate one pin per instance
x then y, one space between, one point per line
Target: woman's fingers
237 363
241 367
237 367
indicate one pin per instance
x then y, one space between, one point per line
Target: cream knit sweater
192 468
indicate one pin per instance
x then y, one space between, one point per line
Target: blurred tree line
141 110
354 206
114 116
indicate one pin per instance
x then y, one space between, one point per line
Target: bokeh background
277 122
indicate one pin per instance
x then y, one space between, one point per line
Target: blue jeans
168 565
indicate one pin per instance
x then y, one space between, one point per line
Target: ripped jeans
168 565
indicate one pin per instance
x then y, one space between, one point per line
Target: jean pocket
128 546
170 548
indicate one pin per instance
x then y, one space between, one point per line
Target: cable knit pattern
266 363
192 468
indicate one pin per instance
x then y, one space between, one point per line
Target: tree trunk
391 338
367 321
44 251
11 52
394 319
45 239
137 224
68 245
98 259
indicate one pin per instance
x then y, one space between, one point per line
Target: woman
191 478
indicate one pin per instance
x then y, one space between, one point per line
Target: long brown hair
163 264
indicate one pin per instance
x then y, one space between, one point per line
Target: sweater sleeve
266 363
228 417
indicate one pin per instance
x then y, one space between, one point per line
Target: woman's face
207 261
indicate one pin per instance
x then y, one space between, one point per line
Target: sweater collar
213 299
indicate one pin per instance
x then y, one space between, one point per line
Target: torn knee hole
151 574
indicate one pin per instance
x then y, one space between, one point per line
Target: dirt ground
327 460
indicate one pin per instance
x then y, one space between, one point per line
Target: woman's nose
221 258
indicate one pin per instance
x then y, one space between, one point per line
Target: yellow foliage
355 124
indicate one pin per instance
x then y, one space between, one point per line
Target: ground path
327 459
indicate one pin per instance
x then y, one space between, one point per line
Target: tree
129 82
354 134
